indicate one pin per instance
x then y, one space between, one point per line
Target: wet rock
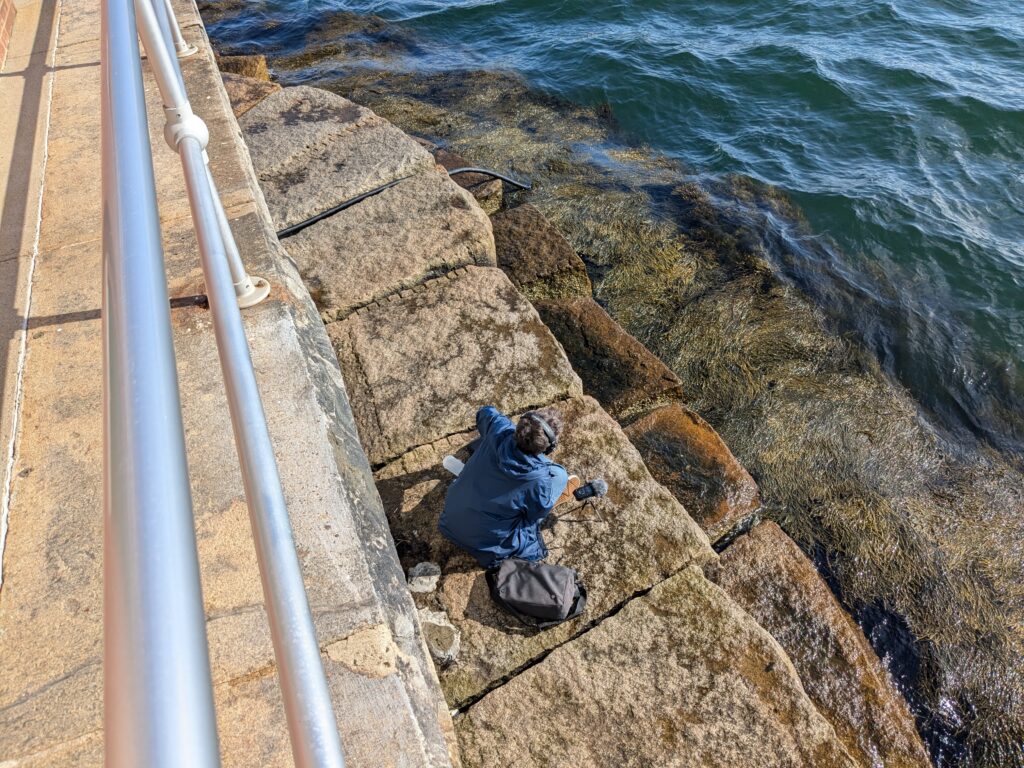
615 368
312 150
420 228
246 92
442 637
624 543
540 262
246 66
768 575
423 577
419 365
689 458
679 677
487 190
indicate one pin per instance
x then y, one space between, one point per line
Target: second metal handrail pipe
307 702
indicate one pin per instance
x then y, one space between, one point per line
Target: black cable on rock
296 228
495 174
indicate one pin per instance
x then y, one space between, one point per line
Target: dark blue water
897 128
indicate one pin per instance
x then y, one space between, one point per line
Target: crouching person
495 507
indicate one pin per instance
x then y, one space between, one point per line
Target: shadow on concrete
19 201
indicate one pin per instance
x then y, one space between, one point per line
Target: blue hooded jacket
496 505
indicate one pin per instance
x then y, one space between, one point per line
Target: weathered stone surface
541 263
420 228
767 574
313 149
254 66
616 368
246 92
688 457
418 366
487 190
626 542
679 677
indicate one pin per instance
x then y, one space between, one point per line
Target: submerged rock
690 459
624 543
420 228
679 677
540 262
419 365
246 92
615 368
768 575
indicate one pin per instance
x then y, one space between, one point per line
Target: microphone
596 487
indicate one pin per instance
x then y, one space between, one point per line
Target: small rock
442 637
423 577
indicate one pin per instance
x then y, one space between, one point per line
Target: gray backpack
538 594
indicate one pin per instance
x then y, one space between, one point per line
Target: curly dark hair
530 435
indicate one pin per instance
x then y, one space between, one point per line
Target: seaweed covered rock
615 368
244 93
418 365
420 228
687 456
768 575
625 543
540 262
252 66
679 677
312 150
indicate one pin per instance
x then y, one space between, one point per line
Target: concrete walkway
389 706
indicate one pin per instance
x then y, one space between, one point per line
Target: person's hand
572 485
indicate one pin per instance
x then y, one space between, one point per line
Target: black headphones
549 433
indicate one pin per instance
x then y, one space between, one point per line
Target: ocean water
896 126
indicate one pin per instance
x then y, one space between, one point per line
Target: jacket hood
514 463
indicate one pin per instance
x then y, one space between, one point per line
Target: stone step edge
422 286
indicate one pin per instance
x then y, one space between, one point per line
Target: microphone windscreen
600 486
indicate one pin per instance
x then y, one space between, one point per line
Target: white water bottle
452 464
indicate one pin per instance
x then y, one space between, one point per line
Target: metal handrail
157 686
158 697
